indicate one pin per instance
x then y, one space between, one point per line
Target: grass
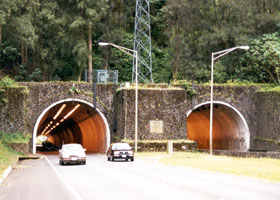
270 88
9 156
263 168
14 138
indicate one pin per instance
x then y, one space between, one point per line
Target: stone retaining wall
266 129
20 147
161 114
14 110
157 146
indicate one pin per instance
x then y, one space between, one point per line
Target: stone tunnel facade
162 112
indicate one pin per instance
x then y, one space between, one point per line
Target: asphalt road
99 179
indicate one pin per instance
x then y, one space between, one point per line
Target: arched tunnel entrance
230 130
73 121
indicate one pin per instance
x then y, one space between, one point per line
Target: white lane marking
77 196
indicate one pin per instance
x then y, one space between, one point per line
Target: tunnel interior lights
63 119
59 111
46 128
73 110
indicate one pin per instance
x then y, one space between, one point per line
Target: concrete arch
230 129
100 117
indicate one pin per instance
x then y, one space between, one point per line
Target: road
99 179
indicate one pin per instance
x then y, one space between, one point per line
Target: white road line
77 196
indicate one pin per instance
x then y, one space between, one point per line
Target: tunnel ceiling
82 113
74 122
229 130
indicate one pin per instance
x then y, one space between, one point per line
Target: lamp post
215 56
134 54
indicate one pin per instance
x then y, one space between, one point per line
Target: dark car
47 146
120 151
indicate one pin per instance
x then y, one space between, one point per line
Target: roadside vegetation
263 168
8 156
184 34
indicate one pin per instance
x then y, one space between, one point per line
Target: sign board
156 126
103 76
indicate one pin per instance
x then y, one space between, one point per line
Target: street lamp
134 54
215 56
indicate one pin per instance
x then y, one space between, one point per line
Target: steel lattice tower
142 42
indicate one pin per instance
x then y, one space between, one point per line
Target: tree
6 8
262 62
90 13
57 39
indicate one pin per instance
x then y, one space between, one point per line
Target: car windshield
73 147
122 146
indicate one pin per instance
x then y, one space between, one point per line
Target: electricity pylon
142 42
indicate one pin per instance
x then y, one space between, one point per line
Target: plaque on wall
156 126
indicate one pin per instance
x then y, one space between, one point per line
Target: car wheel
132 159
126 159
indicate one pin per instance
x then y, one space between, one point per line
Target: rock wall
14 110
162 112
266 129
164 109
21 107
240 97
42 95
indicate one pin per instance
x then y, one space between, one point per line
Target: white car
72 153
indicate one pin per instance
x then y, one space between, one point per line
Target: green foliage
8 138
161 68
196 29
7 82
25 76
186 85
116 138
7 157
49 40
263 60
270 88
118 59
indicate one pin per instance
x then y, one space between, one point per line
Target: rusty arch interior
230 130
73 121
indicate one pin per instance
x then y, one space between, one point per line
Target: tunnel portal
230 130
73 121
